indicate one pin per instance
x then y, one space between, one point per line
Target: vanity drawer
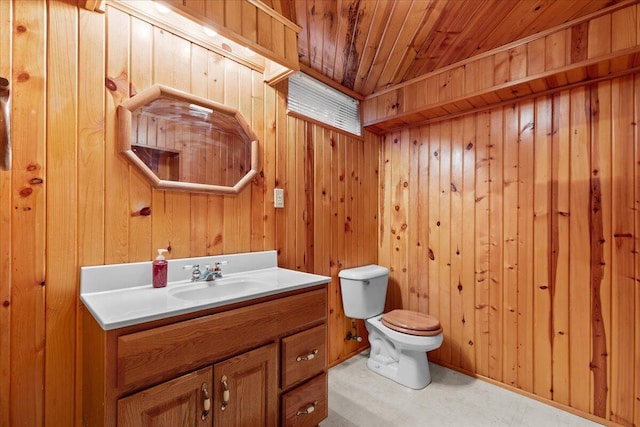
303 355
307 404
166 351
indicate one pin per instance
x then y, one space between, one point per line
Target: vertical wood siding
519 226
28 215
529 223
71 200
330 180
62 201
5 234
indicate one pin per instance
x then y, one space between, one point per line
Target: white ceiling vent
318 101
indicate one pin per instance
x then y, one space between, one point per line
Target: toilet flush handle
366 282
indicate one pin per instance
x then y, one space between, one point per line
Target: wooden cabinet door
181 402
246 389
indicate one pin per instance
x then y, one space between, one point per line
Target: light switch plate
278 197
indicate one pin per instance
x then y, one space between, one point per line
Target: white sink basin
120 295
220 288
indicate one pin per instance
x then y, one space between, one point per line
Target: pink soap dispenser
160 267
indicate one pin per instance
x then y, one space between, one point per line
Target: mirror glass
187 143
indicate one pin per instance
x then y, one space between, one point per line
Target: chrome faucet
196 274
208 274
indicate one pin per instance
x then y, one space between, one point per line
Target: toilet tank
364 290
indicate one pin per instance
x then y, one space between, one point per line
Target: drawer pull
307 411
225 393
309 356
206 404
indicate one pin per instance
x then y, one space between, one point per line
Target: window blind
316 100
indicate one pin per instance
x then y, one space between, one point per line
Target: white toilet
399 339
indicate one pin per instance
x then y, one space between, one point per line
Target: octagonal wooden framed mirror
183 142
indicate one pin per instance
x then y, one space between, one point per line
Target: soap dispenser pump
160 267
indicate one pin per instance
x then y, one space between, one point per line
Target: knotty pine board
554 303
98 198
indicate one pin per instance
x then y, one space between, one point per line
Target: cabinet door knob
225 392
309 356
206 403
307 411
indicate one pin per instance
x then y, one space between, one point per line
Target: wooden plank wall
337 174
71 200
5 233
518 228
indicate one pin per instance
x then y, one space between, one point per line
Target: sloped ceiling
368 45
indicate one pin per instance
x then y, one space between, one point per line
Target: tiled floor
360 397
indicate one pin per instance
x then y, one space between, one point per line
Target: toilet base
398 356
411 370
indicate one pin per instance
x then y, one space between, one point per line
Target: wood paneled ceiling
368 45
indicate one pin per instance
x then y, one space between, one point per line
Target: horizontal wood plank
605 52
164 352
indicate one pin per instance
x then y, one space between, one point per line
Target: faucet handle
195 274
217 270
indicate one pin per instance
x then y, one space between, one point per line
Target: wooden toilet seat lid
412 323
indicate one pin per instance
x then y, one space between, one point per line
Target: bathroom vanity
257 359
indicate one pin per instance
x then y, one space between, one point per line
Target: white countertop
121 295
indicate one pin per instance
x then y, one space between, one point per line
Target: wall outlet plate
278 197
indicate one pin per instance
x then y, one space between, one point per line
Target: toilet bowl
399 339
400 356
